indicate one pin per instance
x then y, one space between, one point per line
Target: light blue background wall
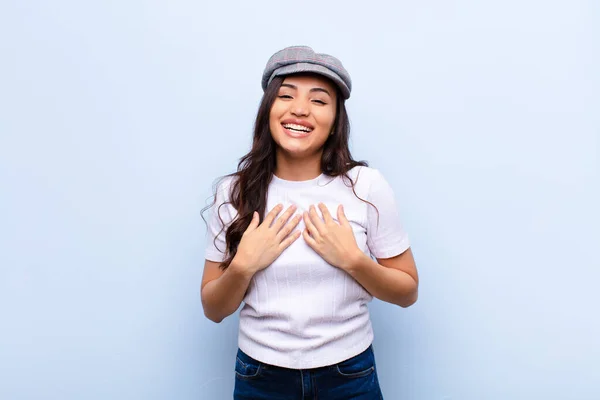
116 116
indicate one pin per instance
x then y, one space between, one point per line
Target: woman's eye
320 102
285 96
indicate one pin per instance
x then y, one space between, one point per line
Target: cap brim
315 69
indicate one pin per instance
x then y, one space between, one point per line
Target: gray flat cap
297 59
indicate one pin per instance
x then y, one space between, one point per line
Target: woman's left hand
334 242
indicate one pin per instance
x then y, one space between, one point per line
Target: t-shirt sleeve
221 215
386 236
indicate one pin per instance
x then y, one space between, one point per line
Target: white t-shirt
301 312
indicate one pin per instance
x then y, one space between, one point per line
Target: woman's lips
295 133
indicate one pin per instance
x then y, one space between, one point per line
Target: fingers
272 214
253 222
342 216
316 219
289 227
309 240
284 218
326 215
289 240
310 226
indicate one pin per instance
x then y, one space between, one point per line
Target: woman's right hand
262 244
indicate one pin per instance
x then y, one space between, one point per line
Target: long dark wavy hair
248 192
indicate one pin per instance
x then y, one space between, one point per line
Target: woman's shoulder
364 180
222 186
365 175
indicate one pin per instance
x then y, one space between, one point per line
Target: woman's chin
295 151
294 147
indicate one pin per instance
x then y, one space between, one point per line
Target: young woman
291 235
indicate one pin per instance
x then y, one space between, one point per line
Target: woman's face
303 114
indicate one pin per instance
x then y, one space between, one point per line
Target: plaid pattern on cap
297 59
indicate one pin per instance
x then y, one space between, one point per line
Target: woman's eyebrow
315 89
320 89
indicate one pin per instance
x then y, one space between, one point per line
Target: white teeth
297 127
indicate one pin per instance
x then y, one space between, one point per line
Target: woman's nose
300 108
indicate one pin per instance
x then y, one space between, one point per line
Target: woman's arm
221 291
394 279
261 243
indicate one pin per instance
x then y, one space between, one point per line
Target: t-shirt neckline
298 184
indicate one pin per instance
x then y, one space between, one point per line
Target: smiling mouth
297 129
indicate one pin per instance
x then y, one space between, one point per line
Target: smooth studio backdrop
117 116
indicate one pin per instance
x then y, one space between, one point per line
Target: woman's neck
304 169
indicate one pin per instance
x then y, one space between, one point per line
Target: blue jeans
355 378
